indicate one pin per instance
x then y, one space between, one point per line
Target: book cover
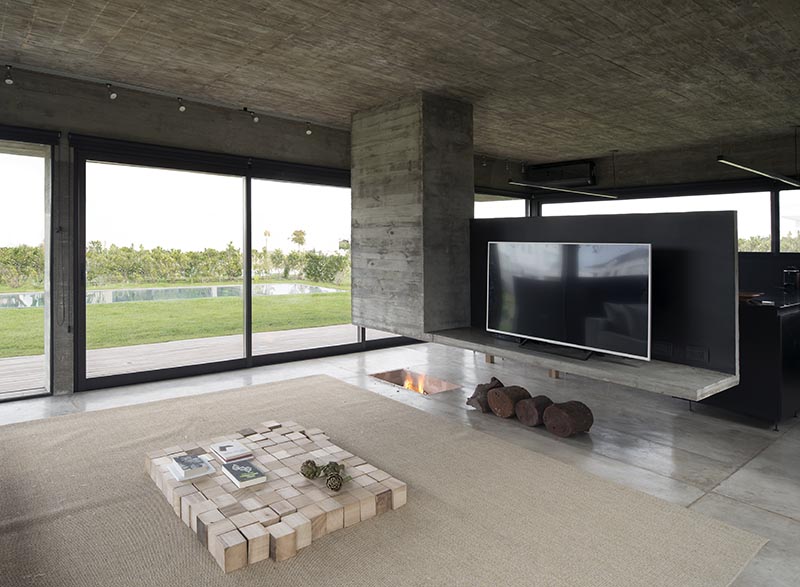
186 467
230 450
243 473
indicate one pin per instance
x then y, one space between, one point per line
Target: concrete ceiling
550 79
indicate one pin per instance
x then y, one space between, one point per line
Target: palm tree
298 237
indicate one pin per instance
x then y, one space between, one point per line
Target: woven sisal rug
76 508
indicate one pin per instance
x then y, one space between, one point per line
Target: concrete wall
412 179
49 102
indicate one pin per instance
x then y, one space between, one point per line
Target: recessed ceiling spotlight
252 114
112 93
9 81
181 105
308 128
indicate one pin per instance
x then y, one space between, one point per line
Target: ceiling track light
181 105
308 129
561 190
9 80
112 93
252 114
774 176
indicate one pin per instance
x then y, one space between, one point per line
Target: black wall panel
694 274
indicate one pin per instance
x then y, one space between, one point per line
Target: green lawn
27 288
131 323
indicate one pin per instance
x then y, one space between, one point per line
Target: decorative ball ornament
310 470
334 482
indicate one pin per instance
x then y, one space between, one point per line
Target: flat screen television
591 296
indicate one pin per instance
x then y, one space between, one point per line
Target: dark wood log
503 399
479 399
531 411
568 419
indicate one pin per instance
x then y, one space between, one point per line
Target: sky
753 208
129 205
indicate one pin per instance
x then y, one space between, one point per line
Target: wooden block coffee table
278 518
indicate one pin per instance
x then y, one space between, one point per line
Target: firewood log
531 411
568 419
503 399
478 400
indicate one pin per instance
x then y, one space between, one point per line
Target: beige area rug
76 507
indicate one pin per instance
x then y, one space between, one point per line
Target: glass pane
789 205
487 206
753 209
301 267
22 238
163 268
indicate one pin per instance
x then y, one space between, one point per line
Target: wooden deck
24 373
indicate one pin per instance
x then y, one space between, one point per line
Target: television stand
569 352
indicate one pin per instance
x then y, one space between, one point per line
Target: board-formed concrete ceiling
549 79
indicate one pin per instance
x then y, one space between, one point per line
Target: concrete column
60 267
413 197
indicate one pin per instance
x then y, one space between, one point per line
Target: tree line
23 265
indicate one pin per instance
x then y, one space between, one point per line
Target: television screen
593 296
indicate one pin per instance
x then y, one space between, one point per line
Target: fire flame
419 386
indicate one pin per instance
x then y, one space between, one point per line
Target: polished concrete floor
731 468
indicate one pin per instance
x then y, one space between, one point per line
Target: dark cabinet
769 362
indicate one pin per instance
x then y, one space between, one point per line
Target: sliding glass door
301 267
163 268
23 169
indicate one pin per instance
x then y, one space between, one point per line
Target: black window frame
51 139
98 149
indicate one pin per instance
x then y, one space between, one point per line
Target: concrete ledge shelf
683 381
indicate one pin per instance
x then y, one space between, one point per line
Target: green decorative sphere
310 470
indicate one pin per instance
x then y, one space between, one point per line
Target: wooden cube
302 528
383 497
282 543
199 508
257 542
283 508
205 483
379 475
268 496
186 504
366 500
169 488
252 503
231 510
230 551
319 520
243 519
287 492
399 491
334 514
204 520
300 501
223 499
214 491
214 529
266 516
352 509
